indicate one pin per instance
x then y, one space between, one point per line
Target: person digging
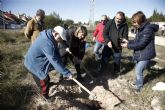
43 56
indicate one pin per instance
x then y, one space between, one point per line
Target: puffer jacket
143 44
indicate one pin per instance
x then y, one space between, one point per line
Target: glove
67 49
69 76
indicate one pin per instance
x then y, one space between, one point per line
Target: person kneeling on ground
43 56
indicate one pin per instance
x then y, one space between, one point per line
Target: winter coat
75 45
111 33
33 29
43 55
143 44
98 33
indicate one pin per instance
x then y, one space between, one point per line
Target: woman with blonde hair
75 47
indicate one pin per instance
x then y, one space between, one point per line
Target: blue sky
79 10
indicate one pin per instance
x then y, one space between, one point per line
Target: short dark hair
138 17
121 13
40 12
104 16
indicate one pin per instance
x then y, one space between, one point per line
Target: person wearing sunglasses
98 37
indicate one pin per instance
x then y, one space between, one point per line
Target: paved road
158 40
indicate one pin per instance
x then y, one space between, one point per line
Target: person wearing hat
35 25
43 56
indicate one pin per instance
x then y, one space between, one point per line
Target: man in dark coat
114 31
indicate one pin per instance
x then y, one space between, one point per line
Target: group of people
51 48
113 36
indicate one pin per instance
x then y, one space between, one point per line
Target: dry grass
15 91
12 48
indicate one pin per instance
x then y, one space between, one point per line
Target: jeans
97 47
139 69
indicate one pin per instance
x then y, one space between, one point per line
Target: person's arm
55 59
106 32
95 32
125 33
82 50
29 29
143 42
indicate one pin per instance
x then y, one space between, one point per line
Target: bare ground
69 96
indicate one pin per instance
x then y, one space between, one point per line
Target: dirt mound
108 100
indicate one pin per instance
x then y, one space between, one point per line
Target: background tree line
54 19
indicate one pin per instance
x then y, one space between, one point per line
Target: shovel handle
89 92
88 73
86 70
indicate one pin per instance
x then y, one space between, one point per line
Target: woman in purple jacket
143 46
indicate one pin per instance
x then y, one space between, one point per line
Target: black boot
47 98
79 77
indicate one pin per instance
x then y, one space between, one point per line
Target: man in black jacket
114 31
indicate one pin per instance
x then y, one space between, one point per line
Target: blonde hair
81 28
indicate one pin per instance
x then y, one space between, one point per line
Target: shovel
92 96
86 70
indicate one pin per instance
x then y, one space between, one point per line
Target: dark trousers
71 57
42 84
107 53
